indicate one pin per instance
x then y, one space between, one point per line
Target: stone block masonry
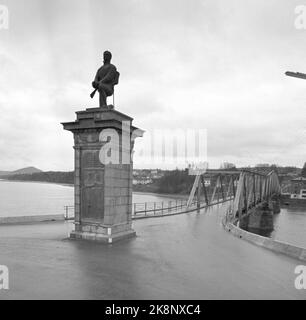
103 190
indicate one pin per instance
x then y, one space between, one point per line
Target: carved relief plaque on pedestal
92 186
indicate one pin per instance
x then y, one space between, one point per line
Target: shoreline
165 195
44 182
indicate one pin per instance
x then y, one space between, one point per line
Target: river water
35 198
32 198
290 226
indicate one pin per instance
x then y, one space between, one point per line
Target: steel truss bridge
245 189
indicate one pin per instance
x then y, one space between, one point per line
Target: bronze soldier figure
106 78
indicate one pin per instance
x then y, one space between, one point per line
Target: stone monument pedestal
103 143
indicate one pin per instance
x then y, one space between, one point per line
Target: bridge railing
158 207
146 209
171 207
163 208
69 212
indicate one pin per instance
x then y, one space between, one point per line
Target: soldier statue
106 78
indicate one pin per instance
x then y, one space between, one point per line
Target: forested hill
175 182
28 170
53 177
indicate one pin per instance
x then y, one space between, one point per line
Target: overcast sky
205 64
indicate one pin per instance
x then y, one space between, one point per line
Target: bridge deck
180 257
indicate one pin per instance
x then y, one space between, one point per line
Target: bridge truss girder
245 187
224 188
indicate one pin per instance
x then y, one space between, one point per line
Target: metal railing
159 209
172 208
155 208
67 210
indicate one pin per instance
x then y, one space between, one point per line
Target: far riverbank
136 190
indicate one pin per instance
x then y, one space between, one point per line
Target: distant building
142 181
298 188
227 166
262 165
292 174
197 168
207 182
147 176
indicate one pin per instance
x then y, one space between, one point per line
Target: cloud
210 64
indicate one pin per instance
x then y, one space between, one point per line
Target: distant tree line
175 182
53 177
303 174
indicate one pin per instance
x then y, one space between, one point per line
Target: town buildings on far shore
146 176
290 177
298 188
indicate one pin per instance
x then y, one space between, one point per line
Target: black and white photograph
153 153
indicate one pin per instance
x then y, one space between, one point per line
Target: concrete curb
31 219
273 245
